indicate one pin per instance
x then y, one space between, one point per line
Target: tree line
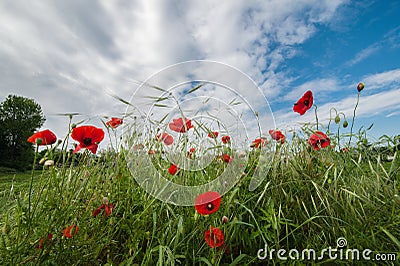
19 118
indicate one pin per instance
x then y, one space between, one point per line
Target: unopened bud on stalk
360 86
105 200
337 119
345 123
49 163
73 126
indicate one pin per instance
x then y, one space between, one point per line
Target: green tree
19 118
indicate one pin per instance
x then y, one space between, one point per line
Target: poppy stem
31 185
316 115
330 117
354 116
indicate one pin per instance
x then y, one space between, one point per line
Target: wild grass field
93 212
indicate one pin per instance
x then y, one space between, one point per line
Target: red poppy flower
226 158
319 140
226 139
167 138
88 137
304 103
214 237
114 122
173 169
191 153
207 203
178 126
259 142
360 86
277 135
42 240
45 137
108 208
213 135
67 232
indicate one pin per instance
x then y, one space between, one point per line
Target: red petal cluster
114 122
173 169
304 103
167 138
213 135
88 137
319 140
69 232
45 137
259 142
214 237
227 158
207 203
277 135
226 139
177 125
108 208
191 153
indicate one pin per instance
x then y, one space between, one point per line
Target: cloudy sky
71 56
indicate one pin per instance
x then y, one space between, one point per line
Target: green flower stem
316 115
330 117
31 185
354 116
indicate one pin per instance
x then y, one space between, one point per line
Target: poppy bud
105 200
225 219
337 119
49 163
360 86
59 141
345 123
73 126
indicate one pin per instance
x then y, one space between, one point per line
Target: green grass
306 201
13 184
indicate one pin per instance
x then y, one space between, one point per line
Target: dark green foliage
19 118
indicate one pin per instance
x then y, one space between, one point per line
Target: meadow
94 212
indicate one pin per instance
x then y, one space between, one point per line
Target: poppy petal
214 237
47 137
304 103
207 203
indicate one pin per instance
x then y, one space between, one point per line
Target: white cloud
391 38
381 80
318 87
365 53
69 55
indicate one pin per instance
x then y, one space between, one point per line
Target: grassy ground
308 200
12 185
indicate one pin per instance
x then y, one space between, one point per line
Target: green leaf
195 88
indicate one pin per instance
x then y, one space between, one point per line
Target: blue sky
70 56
